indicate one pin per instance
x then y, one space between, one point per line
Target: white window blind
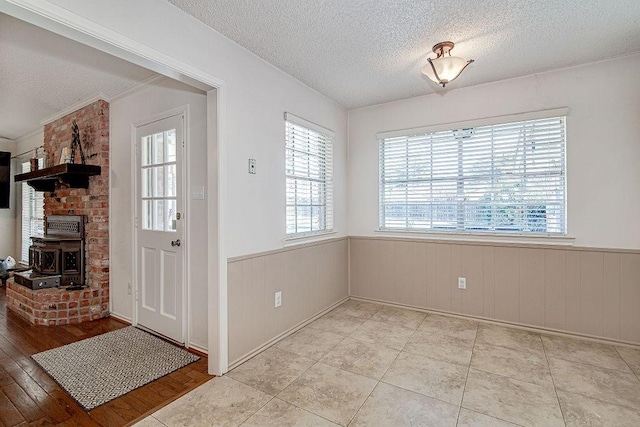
499 178
309 178
32 215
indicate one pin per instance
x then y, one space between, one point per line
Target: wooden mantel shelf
73 174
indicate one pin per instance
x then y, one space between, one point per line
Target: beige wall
579 290
311 277
134 108
602 124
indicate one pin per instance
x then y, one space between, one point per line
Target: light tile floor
366 364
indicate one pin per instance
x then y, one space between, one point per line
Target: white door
160 225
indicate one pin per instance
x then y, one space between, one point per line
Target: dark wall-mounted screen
5 179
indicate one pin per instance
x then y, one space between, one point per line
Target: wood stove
61 251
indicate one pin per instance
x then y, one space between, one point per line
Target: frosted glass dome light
444 68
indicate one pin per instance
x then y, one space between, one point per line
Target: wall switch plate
462 283
197 192
278 299
252 166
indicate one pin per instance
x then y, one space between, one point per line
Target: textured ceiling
42 73
364 52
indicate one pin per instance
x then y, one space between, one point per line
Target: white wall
257 95
7 216
22 145
603 153
161 97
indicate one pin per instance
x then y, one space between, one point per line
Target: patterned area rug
99 369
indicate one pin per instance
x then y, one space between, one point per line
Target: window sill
482 237
309 238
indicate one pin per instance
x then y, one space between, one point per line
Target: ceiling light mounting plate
443 48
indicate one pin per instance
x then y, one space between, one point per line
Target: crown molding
75 107
29 135
144 84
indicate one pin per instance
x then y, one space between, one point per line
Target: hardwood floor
28 396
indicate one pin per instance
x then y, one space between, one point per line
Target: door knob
175 243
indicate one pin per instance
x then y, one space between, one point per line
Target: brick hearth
55 306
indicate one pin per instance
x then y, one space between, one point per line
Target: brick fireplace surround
57 306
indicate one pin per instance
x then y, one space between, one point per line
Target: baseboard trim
515 325
285 334
198 348
121 318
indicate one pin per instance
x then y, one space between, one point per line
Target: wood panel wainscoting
586 291
312 278
28 396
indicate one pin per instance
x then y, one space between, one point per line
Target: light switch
197 192
252 166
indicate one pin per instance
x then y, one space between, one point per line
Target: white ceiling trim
146 83
29 135
75 107
151 81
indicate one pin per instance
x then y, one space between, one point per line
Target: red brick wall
58 306
93 123
51 307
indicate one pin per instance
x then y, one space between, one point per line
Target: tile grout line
406 389
253 413
627 363
344 337
386 370
553 381
287 386
464 389
377 382
500 347
315 362
303 409
492 416
157 420
591 397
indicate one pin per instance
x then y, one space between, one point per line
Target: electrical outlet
278 299
252 166
129 288
462 283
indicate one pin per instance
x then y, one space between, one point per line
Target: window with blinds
503 178
32 215
309 182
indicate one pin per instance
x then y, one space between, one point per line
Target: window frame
326 181
33 197
479 233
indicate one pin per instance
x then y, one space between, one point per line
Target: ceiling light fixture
444 68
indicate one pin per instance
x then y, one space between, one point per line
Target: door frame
78 28
186 203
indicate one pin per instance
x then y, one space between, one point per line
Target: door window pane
147 150
171 214
147 182
147 216
171 145
158 148
158 181
158 215
171 180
